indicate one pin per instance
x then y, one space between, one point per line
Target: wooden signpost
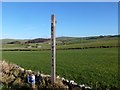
53 49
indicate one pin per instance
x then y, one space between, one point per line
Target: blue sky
23 20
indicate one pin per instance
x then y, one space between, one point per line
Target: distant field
94 67
65 43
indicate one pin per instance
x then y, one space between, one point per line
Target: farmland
62 43
92 61
94 67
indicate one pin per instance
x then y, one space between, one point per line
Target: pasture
63 43
96 67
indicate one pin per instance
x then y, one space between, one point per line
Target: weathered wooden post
53 49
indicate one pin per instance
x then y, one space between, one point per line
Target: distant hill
8 41
59 39
75 40
38 40
62 43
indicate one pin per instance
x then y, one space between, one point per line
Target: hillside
5 41
62 43
65 39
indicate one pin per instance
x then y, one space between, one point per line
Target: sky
28 20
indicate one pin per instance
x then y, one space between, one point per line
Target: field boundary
35 49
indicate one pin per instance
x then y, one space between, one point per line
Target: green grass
93 67
70 43
90 44
12 46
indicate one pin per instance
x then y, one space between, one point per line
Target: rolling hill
62 42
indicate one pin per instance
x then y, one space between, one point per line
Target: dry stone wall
14 77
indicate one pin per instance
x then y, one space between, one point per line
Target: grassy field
67 42
94 67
